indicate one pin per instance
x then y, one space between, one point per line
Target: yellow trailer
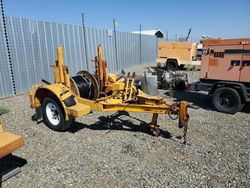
58 104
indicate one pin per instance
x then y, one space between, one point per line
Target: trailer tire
171 65
227 100
54 116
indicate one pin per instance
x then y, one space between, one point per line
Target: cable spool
83 86
94 87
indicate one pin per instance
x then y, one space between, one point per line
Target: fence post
85 42
116 55
140 46
8 47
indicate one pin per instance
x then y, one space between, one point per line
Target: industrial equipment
225 71
171 80
176 54
58 104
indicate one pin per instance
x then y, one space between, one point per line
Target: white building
157 32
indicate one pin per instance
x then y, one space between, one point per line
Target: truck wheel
53 115
171 65
227 100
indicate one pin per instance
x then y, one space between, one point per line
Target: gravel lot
102 151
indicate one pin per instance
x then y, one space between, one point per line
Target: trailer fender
59 92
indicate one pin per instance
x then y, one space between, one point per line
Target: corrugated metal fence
32 46
6 86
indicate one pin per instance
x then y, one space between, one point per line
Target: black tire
181 67
227 100
57 122
171 65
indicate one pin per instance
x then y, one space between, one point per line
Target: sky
215 18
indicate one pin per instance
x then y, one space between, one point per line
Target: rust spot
213 62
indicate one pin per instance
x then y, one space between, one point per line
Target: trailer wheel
227 100
171 65
53 115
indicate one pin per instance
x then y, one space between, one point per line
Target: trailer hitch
175 111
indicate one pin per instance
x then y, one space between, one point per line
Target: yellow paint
78 110
112 77
181 51
131 88
183 114
213 62
159 109
60 70
117 86
126 89
61 92
1 128
113 101
9 142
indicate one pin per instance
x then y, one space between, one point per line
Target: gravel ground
117 151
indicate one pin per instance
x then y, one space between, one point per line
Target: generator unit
225 73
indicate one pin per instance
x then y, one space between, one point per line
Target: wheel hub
52 114
226 100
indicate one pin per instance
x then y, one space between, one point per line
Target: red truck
225 73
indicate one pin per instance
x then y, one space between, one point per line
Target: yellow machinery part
78 110
60 70
9 142
61 92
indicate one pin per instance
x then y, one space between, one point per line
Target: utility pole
167 36
116 57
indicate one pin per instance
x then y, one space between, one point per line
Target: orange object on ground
9 142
